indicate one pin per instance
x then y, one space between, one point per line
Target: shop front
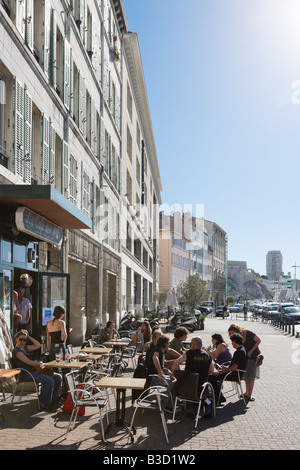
33 220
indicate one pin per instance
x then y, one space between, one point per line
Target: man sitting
196 361
108 333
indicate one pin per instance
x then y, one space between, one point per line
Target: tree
193 291
160 297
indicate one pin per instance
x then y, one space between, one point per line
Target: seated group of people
164 358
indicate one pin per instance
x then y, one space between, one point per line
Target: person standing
17 317
24 308
250 343
56 333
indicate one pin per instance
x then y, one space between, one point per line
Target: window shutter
19 16
29 24
73 179
65 169
82 105
47 38
102 142
53 48
19 129
27 136
52 136
67 74
45 151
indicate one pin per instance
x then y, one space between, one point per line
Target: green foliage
193 291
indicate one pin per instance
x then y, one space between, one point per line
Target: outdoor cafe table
7 374
117 343
96 350
121 384
67 366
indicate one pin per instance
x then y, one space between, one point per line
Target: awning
46 201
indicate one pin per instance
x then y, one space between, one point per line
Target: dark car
293 313
220 311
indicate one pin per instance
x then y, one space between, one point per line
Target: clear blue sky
222 78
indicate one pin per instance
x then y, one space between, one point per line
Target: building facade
187 247
274 265
217 242
71 153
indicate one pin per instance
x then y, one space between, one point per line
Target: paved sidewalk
270 422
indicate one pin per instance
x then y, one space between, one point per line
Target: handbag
68 406
43 370
259 360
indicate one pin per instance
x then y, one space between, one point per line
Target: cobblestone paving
271 422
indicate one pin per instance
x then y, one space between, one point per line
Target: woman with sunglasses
20 357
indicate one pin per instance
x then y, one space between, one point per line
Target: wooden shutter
45 150
47 38
29 24
102 142
27 136
65 169
67 74
52 136
73 179
18 128
82 105
20 16
53 49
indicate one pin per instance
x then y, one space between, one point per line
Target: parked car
237 308
285 305
292 312
219 311
204 310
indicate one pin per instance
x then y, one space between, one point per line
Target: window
129 144
129 101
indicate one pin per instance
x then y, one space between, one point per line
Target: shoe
44 407
249 398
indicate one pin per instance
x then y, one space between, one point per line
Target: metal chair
236 382
189 392
85 394
130 354
26 382
155 397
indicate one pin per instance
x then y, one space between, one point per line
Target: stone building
77 151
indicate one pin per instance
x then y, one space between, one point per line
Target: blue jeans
55 348
50 387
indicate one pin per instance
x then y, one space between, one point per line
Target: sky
223 85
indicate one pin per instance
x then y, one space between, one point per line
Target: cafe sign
33 224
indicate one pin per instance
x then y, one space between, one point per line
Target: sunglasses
22 339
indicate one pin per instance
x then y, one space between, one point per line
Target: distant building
273 265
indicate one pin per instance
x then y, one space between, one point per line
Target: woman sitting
21 360
219 352
142 336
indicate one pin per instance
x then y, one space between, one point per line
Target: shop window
6 251
19 253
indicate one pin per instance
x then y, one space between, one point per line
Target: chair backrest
70 348
189 387
171 382
71 385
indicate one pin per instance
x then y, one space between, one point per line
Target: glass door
54 289
6 295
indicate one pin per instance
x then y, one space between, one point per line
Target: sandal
249 398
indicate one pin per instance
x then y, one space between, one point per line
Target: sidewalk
270 422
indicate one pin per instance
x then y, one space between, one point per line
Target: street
271 422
